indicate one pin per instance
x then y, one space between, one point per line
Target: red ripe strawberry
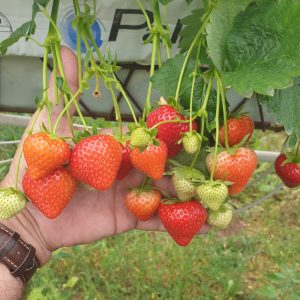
236 168
95 161
289 172
126 164
182 220
44 154
150 161
52 193
170 133
142 203
238 128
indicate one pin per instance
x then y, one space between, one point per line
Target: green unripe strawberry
191 142
140 137
12 202
212 194
183 180
220 218
185 190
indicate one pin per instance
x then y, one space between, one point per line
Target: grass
258 257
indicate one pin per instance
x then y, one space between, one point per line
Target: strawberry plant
249 46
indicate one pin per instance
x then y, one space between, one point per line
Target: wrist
25 225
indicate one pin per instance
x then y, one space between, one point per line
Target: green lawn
258 257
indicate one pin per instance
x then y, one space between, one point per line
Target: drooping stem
152 68
62 72
217 132
66 108
193 84
172 121
144 13
224 111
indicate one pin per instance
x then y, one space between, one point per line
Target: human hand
90 215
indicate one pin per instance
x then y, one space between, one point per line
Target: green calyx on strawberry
212 194
191 142
287 167
184 179
171 133
143 202
182 220
220 218
12 202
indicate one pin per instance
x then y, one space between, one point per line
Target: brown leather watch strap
18 256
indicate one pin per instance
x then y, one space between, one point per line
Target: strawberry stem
62 72
194 74
224 111
172 121
187 57
217 132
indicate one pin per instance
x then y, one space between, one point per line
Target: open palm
91 215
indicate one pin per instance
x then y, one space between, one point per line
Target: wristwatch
17 255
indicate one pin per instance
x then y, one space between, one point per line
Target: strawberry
140 137
220 218
289 172
238 128
212 194
52 193
151 160
183 182
143 203
236 168
182 220
96 160
126 164
191 142
12 202
170 133
44 154
185 190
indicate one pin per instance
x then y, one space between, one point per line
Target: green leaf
221 21
285 105
166 78
262 50
14 37
190 24
268 291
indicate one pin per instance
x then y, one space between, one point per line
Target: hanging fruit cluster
193 122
